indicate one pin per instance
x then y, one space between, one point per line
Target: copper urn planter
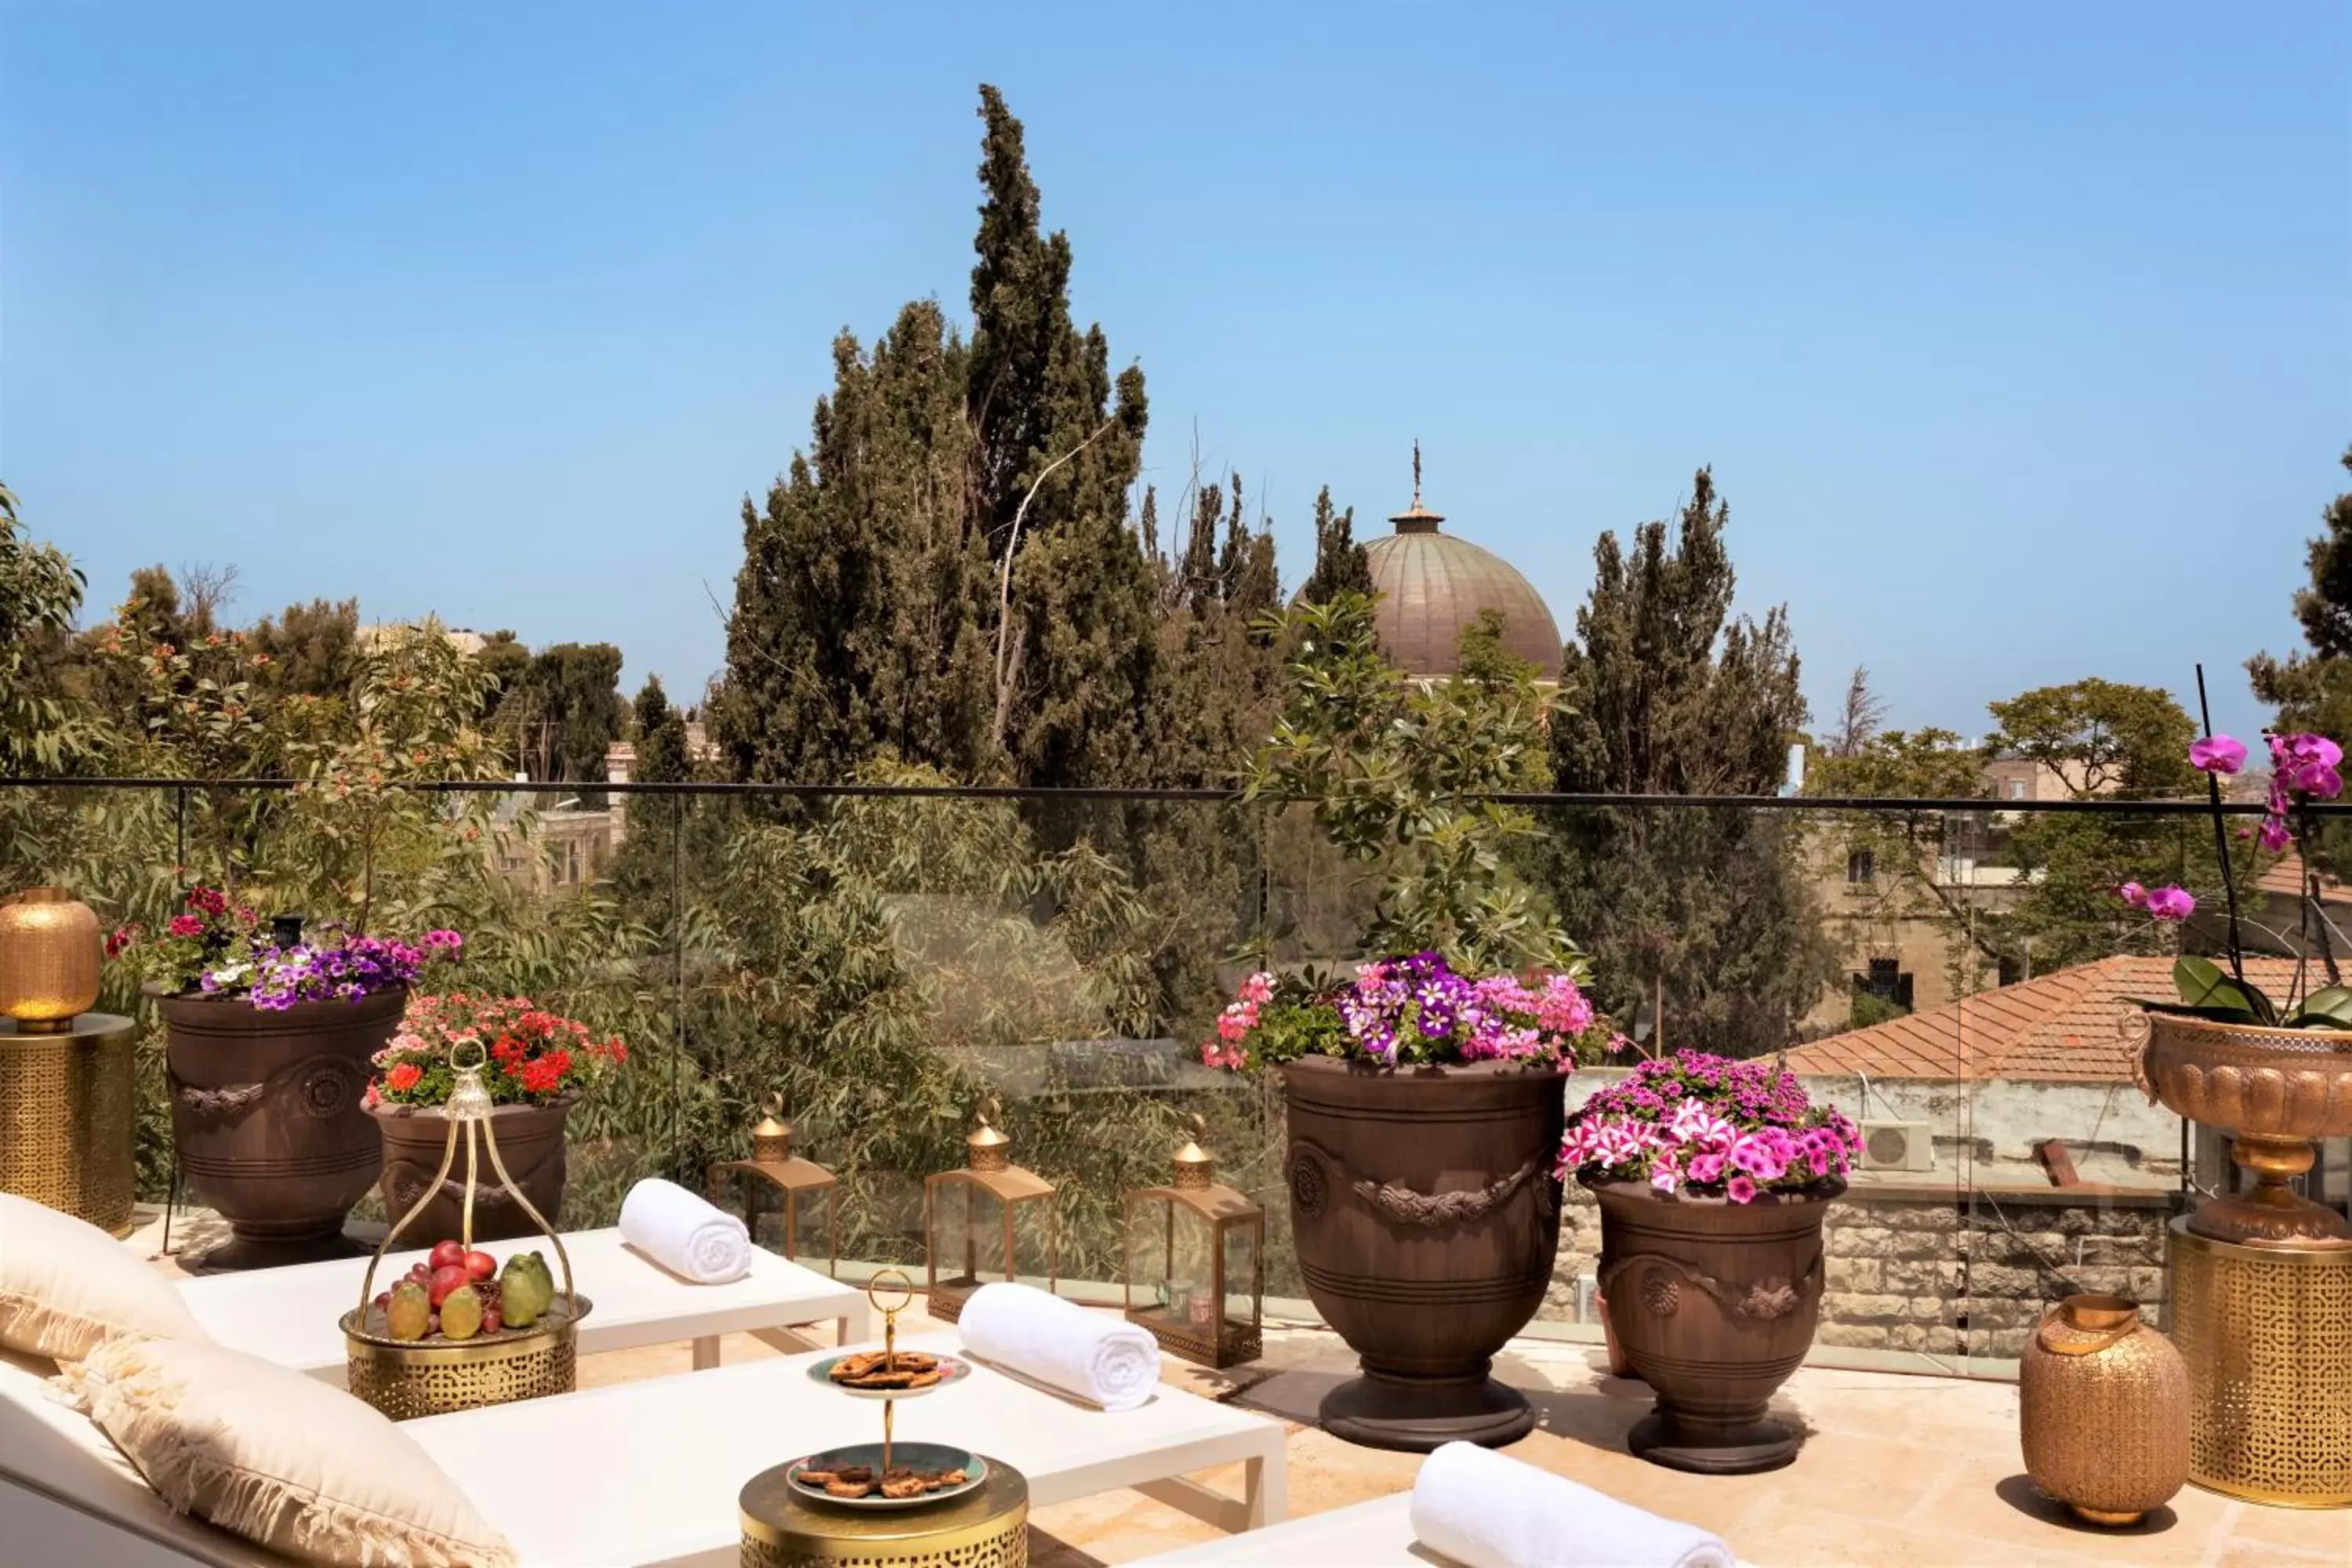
2276 1092
267 1120
2103 1411
1426 1218
1713 1304
531 1140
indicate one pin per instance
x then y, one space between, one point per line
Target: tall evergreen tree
1668 694
857 627
1340 564
2313 690
661 740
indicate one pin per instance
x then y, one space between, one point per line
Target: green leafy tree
1705 912
2099 738
1399 774
661 739
312 649
565 711
42 730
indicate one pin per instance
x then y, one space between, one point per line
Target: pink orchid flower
2133 894
2217 754
2170 904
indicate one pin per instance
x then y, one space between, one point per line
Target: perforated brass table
2267 1334
65 1118
987 1527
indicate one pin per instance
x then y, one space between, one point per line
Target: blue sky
2020 337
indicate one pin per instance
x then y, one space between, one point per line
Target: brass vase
2274 1091
49 946
2104 1410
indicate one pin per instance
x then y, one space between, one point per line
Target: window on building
1860 867
2017 789
2011 970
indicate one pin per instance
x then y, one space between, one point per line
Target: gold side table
2267 1334
986 1527
65 1118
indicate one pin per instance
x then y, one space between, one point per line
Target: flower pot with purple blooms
1425 1110
268 1040
1713 1177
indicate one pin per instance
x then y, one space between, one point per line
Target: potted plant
1713 1178
1425 1107
267 1040
538 1066
2276 1073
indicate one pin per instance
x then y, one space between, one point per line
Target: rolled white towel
683 1233
1099 1358
1486 1511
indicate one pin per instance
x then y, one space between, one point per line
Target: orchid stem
2222 839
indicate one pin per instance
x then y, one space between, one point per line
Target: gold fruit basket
410 1377
2274 1091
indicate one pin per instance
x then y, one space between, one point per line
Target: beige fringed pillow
283 1459
66 1286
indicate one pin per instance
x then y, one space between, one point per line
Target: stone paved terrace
1898 1472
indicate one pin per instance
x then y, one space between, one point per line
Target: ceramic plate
951 1369
903 1455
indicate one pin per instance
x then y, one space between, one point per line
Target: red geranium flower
403 1077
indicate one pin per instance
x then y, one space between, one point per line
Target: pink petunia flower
1740 1190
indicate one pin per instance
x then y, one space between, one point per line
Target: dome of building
1432 586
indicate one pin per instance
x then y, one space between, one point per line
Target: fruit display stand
461 1337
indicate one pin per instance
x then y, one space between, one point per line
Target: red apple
443 1281
449 1254
480 1264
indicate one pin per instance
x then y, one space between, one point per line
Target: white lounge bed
667 1459
289 1315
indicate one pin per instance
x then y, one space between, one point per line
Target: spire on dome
1417 519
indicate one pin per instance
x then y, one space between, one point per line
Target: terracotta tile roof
2064 1027
2285 878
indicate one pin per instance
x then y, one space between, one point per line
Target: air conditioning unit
1899 1146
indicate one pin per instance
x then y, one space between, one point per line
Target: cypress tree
1666 693
1340 564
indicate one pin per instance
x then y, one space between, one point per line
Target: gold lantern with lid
981 1222
798 1182
1196 1263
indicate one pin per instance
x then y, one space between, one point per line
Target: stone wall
1912 1267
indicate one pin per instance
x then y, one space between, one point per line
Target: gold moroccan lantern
1196 1263
982 1221
2102 1410
49 947
797 1182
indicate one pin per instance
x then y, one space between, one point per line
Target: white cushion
282 1459
66 1286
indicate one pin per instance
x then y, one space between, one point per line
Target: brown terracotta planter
1427 1220
267 1120
1715 1304
530 1145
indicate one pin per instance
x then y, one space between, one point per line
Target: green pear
405 1314
461 1313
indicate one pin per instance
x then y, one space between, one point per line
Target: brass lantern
797 1182
981 1221
1196 1263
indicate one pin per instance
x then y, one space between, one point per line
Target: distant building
1434 586
546 842
621 761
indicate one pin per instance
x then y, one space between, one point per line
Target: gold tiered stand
66 1116
986 1527
2267 1330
